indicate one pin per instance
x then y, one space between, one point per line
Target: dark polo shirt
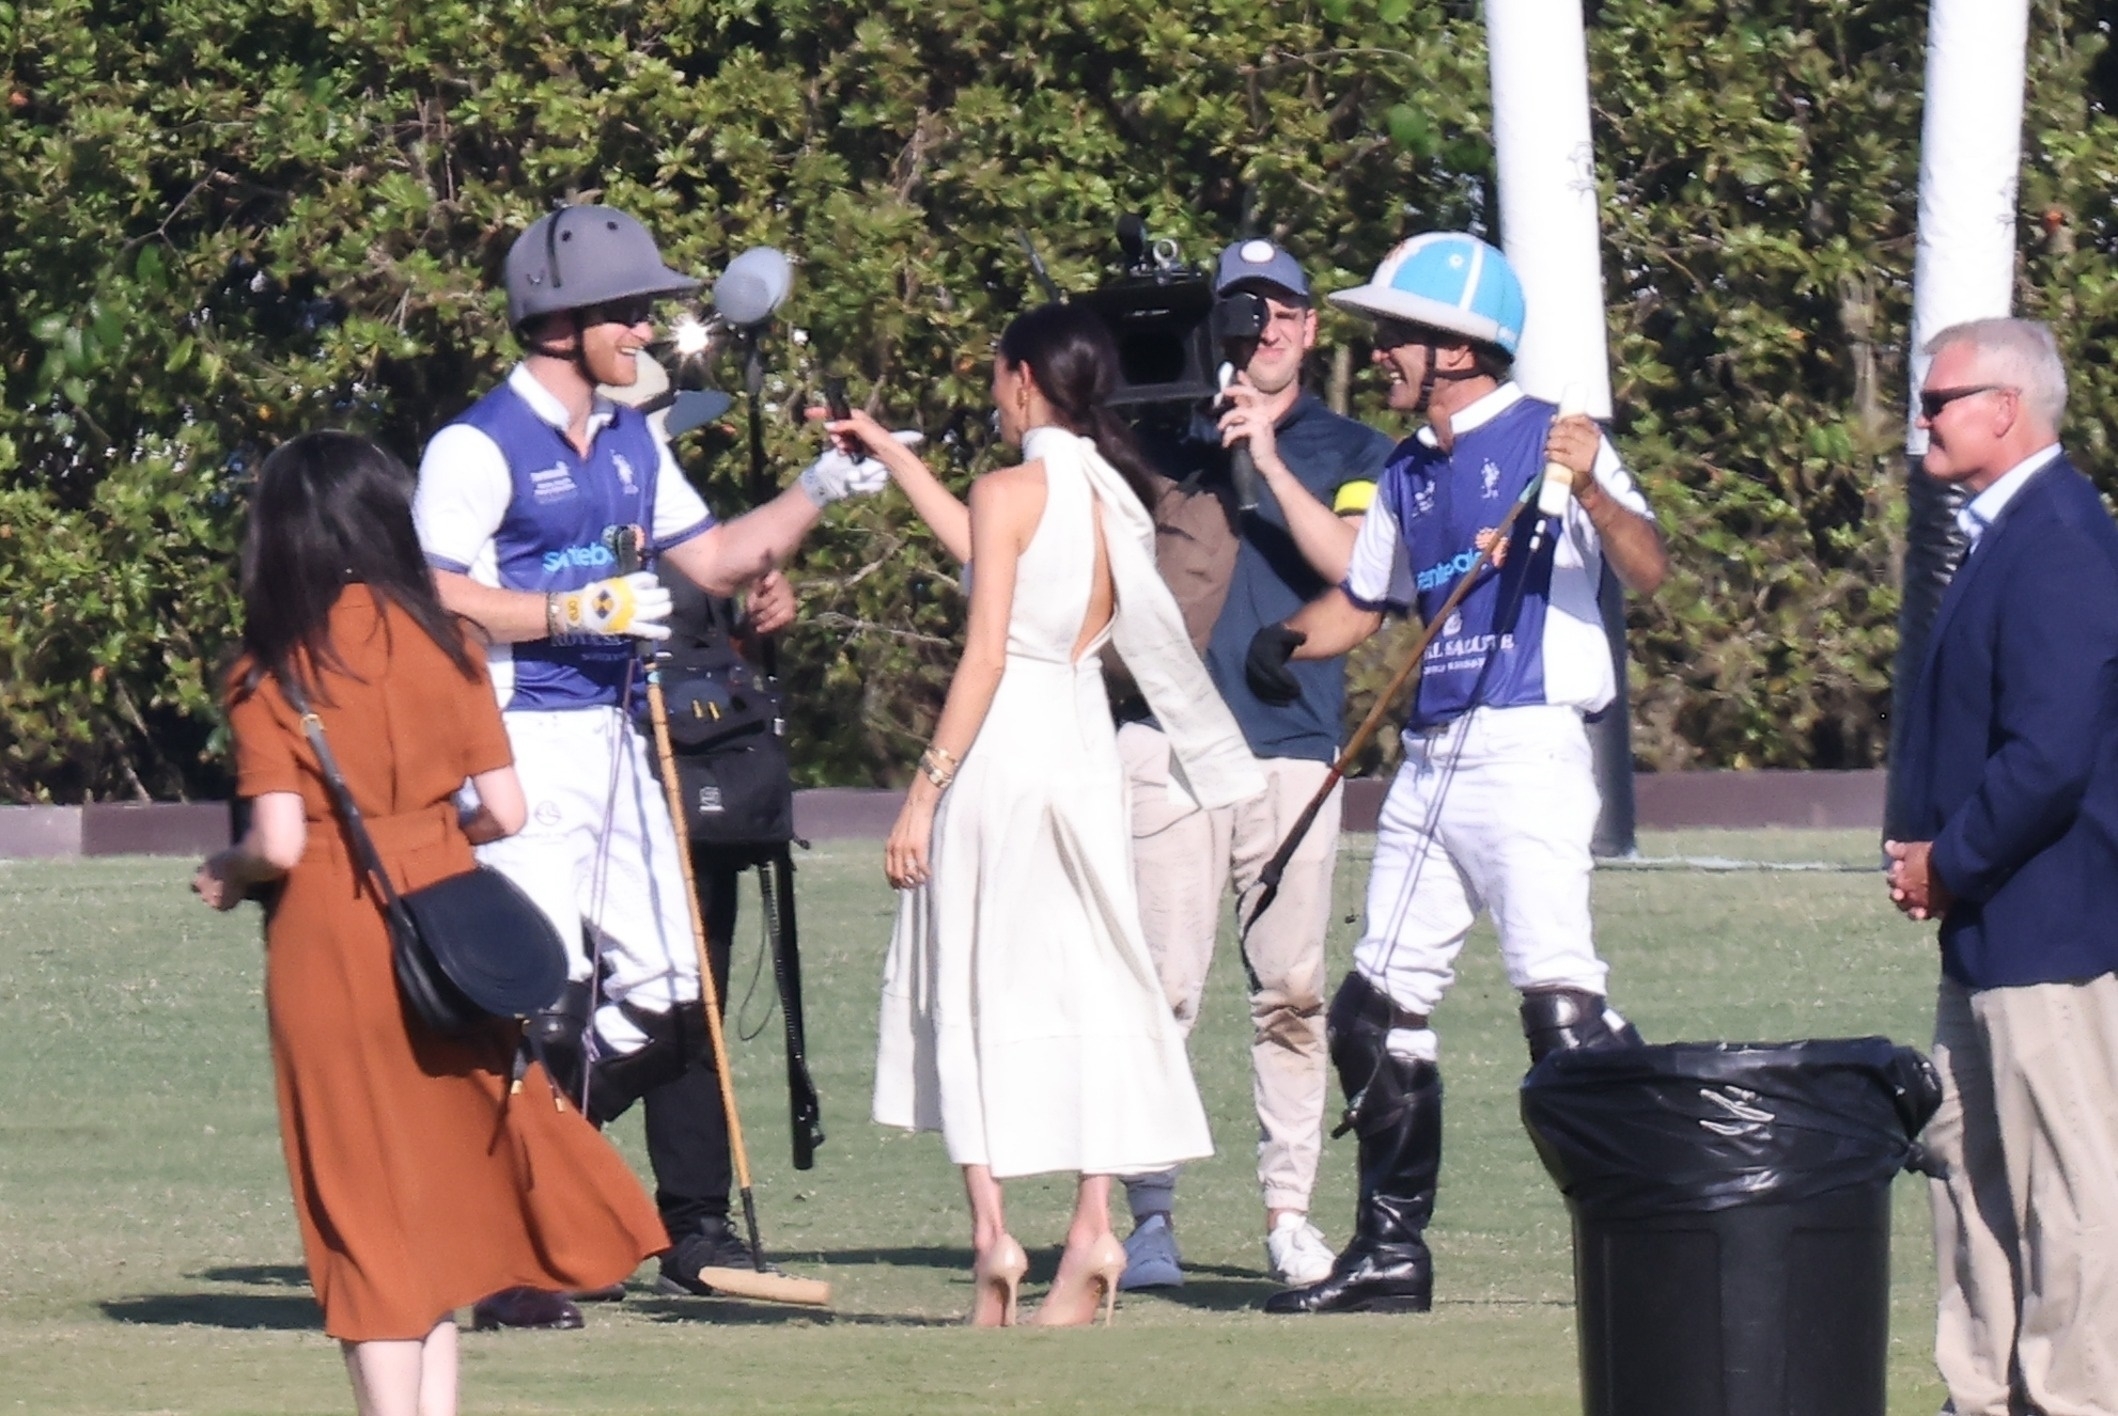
1338 460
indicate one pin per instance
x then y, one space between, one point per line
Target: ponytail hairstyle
1070 351
331 509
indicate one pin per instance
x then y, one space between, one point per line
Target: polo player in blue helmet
1495 802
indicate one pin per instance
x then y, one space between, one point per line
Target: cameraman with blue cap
1317 471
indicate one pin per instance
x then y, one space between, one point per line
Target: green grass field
149 1263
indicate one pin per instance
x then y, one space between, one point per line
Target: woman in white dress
1021 1015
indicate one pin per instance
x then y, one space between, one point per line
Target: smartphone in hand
836 406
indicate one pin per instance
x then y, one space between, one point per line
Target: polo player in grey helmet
517 502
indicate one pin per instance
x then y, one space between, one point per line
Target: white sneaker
1297 1252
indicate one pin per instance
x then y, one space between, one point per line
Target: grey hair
2020 353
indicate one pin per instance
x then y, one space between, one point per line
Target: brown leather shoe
525 1308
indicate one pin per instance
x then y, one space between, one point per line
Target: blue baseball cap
1259 262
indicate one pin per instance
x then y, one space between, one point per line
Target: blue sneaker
1151 1258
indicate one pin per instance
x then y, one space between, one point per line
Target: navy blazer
2012 742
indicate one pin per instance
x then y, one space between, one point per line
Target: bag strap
348 810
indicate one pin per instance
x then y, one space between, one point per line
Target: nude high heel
1099 1276
1001 1270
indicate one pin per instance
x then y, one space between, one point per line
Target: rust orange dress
421 1184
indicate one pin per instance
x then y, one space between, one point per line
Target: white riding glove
635 604
835 475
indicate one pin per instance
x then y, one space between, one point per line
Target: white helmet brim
1383 302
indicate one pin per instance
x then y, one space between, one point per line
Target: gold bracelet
551 614
934 771
948 758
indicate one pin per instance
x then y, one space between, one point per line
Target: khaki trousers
1185 859
2026 1211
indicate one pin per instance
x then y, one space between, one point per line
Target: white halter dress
1021 1013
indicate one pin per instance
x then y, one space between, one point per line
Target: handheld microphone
755 284
1242 467
1559 478
627 546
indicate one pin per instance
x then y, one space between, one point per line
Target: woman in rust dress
421 1182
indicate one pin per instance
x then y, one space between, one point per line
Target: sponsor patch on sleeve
1353 498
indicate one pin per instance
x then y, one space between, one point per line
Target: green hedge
228 222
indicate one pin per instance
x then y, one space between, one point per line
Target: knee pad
1561 1019
674 1041
1356 1026
1377 1082
557 1037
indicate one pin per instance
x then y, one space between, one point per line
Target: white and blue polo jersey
505 499
1536 619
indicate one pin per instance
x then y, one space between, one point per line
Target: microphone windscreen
754 285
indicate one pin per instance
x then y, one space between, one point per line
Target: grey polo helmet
579 256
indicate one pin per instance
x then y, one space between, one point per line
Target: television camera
1179 345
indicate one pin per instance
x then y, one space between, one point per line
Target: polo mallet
1269 877
755 1281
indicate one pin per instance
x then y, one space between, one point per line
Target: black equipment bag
464 949
727 726
728 732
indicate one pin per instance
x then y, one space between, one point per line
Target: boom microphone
754 285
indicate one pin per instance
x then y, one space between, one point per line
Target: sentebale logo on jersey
1442 572
593 556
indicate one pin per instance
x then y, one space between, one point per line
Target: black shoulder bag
464 949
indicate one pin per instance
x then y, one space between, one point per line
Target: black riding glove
1265 667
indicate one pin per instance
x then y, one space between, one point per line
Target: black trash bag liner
1632 1132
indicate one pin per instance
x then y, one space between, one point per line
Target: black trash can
1731 1207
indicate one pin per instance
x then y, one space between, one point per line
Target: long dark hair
331 509
1075 360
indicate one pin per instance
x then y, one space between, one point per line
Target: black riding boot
1561 1019
1394 1106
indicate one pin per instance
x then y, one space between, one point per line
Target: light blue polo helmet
1445 280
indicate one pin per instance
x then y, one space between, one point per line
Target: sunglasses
637 309
1933 400
1392 334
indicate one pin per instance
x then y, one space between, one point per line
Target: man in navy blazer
2012 753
